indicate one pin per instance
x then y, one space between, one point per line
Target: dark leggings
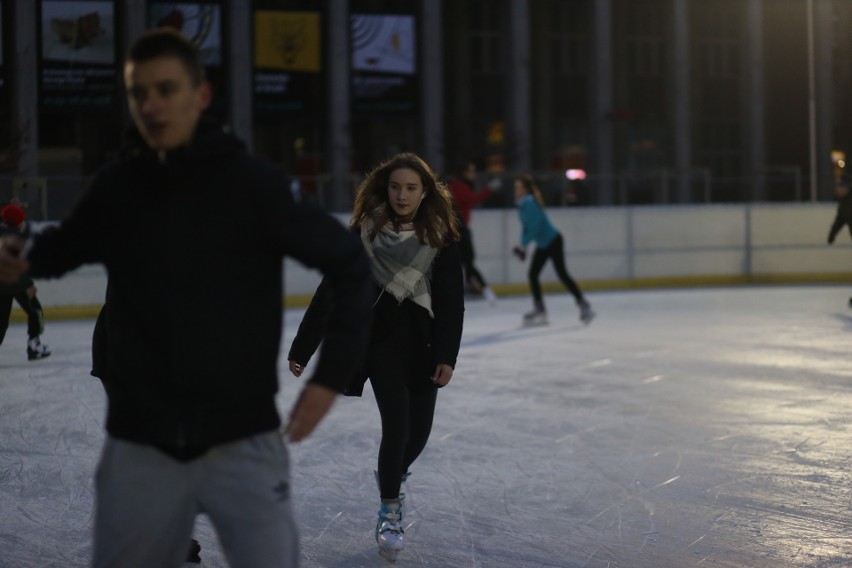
471 273
31 306
406 401
555 252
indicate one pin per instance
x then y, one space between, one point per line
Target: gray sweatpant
146 503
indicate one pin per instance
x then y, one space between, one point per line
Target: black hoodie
193 244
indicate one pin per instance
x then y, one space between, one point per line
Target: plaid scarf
400 263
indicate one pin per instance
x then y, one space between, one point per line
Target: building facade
644 101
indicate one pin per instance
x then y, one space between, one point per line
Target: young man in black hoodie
194 324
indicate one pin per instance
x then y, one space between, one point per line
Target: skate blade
388 554
535 323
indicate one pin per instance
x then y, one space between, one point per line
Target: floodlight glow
575 174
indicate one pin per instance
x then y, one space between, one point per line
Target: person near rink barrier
537 228
13 221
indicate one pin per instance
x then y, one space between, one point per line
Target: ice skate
389 532
587 314
535 318
489 295
36 349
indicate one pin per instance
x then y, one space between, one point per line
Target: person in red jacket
13 221
465 198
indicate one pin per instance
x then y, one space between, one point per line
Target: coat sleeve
77 240
316 239
448 305
465 197
525 212
312 328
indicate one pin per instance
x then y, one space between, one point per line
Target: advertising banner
77 56
201 22
384 63
288 61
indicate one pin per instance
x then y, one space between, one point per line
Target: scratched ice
705 427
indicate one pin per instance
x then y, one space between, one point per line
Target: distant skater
844 211
465 198
403 214
13 221
537 228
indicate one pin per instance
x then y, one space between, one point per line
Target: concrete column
240 23
339 143
681 103
824 58
754 100
519 111
25 94
432 79
601 125
134 21
460 144
542 107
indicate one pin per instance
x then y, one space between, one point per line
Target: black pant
555 251
31 306
471 273
406 399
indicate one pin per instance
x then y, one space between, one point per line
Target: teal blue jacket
535 226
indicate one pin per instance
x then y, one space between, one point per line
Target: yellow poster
288 41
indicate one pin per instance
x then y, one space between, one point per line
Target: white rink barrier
612 247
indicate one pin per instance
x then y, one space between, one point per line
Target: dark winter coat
195 312
437 340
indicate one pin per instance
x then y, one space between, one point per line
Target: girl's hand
442 376
296 369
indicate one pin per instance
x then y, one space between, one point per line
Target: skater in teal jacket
537 228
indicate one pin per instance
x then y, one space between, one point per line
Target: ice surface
702 427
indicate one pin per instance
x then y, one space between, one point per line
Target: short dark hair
168 42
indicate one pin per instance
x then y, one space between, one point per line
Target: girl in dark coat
404 216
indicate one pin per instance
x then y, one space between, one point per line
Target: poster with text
384 63
77 54
202 23
288 61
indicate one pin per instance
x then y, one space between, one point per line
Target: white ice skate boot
535 318
489 296
587 314
389 532
36 349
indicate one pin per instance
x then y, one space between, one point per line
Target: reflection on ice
681 428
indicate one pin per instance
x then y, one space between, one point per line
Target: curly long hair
434 222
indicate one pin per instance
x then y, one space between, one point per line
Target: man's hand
313 404
296 368
443 374
12 266
519 252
